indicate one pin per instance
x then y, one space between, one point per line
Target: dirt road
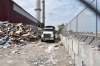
34 54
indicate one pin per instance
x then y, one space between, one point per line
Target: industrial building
13 13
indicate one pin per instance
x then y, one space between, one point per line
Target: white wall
81 51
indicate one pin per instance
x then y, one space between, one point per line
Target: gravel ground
34 54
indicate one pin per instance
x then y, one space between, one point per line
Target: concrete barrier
83 50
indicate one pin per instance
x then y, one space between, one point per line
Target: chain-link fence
87 21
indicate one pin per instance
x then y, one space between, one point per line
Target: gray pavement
34 54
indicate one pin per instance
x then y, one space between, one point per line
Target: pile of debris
12 35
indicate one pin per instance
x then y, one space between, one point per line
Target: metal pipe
38 10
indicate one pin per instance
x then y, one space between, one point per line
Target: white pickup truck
48 33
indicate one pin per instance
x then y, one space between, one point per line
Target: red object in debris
13 45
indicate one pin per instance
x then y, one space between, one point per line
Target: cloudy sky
62 11
57 11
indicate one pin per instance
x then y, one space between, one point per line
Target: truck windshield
48 29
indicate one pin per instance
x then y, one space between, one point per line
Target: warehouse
10 11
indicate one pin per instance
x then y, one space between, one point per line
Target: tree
60 28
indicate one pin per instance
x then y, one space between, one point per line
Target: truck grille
47 35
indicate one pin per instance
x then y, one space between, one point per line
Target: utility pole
43 14
96 19
77 24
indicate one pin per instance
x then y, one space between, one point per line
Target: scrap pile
12 35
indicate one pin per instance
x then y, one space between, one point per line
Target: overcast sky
57 11
62 11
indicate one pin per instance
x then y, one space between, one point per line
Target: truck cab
48 33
